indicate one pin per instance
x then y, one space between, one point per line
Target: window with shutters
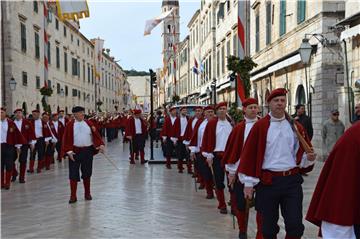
235 44
49 53
222 60
282 17
66 90
84 76
268 23
23 37
58 88
57 24
257 32
74 66
65 63
64 31
38 82
74 92
57 57
301 10
24 78
36 6
37 46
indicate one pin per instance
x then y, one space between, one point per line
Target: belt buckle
286 173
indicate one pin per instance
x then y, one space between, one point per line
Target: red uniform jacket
45 129
13 134
65 121
252 156
336 198
177 128
130 127
209 139
168 128
189 130
61 128
68 138
234 144
27 131
194 138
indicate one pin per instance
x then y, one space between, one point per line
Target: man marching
180 127
195 151
213 145
81 142
27 131
334 206
62 117
189 133
231 160
57 131
10 138
136 131
168 134
43 137
272 159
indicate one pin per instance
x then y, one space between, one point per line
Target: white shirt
4 130
56 126
183 124
223 130
201 130
82 134
53 138
38 128
249 123
280 152
62 120
329 230
18 124
138 129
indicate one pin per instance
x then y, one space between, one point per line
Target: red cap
54 114
209 107
172 108
250 101
3 109
275 93
45 113
137 112
221 104
182 107
198 108
15 111
35 111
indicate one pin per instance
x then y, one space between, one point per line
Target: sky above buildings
121 24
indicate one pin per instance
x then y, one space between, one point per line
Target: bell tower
170 28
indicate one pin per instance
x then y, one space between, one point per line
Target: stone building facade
70 64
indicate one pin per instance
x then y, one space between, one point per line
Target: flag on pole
98 45
196 67
241 35
72 9
152 23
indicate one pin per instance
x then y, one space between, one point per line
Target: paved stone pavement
135 202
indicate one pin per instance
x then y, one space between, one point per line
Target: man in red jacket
26 129
11 138
273 159
231 160
57 132
189 133
43 137
136 131
81 142
180 127
169 137
195 150
335 205
213 145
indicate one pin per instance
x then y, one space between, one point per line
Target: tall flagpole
46 42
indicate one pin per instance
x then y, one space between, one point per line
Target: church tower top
174 3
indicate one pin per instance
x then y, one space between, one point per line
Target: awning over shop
350 32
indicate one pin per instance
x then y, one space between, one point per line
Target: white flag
72 9
152 23
98 45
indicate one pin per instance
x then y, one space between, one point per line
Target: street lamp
62 93
12 84
208 93
305 51
357 83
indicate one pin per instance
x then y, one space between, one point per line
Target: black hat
77 109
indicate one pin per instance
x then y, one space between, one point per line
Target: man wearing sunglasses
332 129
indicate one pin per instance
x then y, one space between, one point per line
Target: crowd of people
260 160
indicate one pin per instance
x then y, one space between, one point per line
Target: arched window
24 107
300 95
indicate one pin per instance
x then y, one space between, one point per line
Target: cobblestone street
136 202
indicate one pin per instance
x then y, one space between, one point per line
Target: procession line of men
264 160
